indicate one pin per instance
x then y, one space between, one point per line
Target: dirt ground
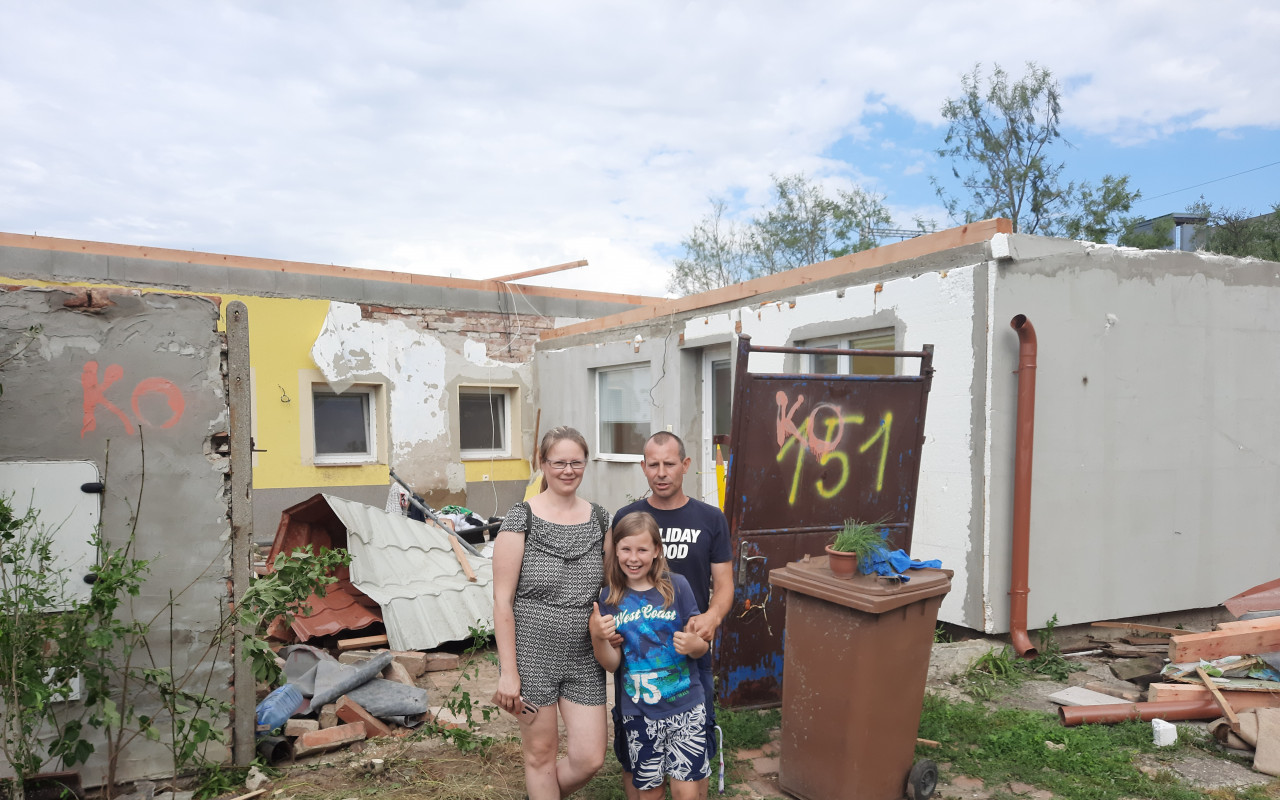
425 768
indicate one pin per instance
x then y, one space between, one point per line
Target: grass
999 669
1094 762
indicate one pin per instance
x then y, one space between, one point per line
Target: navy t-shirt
694 537
656 681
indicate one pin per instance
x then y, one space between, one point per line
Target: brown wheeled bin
855 661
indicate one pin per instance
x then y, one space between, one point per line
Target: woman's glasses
561 466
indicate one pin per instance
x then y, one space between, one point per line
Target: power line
1206 183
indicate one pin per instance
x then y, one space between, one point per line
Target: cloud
481 138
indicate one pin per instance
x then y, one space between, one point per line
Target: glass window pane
825 364
482 421
342 423
624 410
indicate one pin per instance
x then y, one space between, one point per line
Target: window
623 407
483 422
854 365
345 427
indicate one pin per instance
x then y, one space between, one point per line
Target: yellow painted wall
498 469
281 332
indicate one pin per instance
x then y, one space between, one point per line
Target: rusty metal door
809 451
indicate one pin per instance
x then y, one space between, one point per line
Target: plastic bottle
276 708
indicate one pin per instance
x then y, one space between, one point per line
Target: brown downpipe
1022 486
1167 710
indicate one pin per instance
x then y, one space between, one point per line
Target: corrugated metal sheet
410 570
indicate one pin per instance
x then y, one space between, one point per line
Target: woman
547 569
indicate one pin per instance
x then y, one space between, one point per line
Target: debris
328 715
1055 745
1125 691
1260 731
1139 671
351 711
413 661
1255 636
461 555
1227 711
396 672
1133 626
1161 692
296 727
1163 733
439 662
255 779
362 643
329 738
1080 696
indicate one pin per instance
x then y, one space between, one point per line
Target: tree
803 226
1237 232
715 255
1000 141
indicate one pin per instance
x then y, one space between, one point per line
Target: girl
663 708
548 563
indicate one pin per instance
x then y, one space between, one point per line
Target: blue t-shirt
694 537
655 680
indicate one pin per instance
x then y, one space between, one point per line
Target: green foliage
1000 139
1089 762
746 730
863 539
459 702
217 780
281 593
997 669
1159 237
803 226
1237 232
42 648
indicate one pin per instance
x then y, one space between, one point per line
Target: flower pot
843 565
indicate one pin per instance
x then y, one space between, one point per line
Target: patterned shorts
674 747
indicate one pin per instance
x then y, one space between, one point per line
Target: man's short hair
662 437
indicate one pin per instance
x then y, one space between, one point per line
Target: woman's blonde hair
638 523
558 434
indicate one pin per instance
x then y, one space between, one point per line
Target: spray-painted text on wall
95 390
821 433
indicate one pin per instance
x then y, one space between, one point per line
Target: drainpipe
1022 486
1167 710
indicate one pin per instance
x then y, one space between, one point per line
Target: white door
67 513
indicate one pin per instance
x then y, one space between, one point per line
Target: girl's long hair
638 523
549 440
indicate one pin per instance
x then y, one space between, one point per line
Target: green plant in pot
853 545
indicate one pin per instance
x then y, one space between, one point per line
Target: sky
479 139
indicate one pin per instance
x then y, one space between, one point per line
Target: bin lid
871 593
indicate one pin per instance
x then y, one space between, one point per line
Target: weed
941 635
746 730
997 669
467 739
1095 762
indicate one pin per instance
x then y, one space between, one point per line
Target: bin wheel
922 780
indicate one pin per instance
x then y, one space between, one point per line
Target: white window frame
507 395
851 341
597 378
311 382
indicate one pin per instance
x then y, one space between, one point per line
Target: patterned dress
560 578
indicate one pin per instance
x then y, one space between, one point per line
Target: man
695 538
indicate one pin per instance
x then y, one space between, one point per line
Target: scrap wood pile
329 703
1231 673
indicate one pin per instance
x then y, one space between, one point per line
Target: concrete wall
1155 468
133 383
1154 464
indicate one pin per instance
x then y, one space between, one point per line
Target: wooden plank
53 244
1233 721
461 555
1159 641
1260 624
1160 692
973 233
1134 626
1216 644
362 643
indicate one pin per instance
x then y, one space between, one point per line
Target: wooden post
244 705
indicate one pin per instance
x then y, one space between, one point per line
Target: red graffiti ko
95 394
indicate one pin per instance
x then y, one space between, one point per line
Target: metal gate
809 451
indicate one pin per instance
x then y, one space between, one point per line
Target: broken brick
413 661
351 711
297 727
438 662
329 738
395 671
328 715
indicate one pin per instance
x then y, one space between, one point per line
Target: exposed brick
412 660
352 712
328 738
395 671
438 662
328 715
296 727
